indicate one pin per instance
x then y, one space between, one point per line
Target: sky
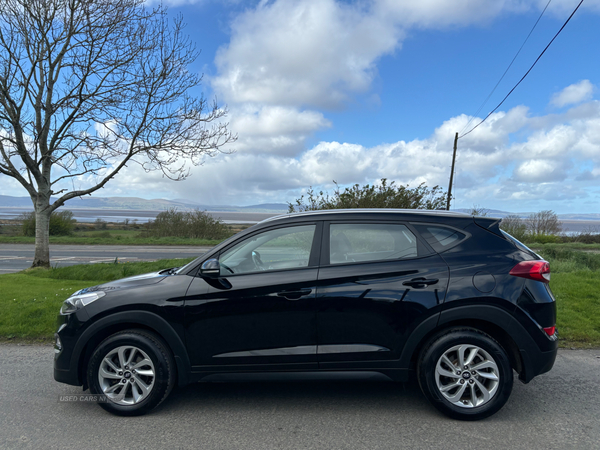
354 91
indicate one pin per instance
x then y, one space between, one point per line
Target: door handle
420 283
294 295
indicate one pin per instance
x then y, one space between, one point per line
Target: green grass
30 300
578 308
30 304
106 272
565 259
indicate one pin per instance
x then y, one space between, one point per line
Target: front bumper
66 368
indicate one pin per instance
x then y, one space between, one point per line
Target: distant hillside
159 204
135 203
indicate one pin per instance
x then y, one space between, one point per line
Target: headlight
79 300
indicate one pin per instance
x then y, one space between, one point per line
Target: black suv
448 297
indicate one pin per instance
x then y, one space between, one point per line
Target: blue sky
354 91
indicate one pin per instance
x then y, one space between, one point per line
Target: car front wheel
131 372
465 374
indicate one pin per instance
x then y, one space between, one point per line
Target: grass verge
105 272
578 306
30 304
30 300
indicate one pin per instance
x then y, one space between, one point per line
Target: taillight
550 330
534 270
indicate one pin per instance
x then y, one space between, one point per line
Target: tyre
465 374
132 372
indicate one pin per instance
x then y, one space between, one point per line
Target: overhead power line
507 69
526 73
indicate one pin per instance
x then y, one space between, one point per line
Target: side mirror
210 268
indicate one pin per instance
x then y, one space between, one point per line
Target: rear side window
440 238
360 242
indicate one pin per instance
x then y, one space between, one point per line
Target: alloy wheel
467 376
126 375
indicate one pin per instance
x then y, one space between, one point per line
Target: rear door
377 281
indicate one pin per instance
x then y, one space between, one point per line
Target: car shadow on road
294 395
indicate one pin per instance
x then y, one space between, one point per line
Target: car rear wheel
132 372
465 374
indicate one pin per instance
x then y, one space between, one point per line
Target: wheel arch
493 330
141 320
494 321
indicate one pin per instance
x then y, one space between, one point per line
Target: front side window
282 248
370 242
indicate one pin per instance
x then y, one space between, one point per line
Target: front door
262 309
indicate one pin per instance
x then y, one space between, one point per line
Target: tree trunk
42 235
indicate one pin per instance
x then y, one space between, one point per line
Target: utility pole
452 173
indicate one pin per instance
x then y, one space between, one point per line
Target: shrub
377 196
543 238
190 224
61 223
100 224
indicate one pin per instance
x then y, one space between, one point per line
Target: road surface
558 410
16 257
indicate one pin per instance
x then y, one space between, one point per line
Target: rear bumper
537 362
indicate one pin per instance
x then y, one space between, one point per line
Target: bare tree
88 86
515 226
477 210
543 222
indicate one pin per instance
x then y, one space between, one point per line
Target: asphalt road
558 410
16 257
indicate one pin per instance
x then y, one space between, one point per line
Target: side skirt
401 375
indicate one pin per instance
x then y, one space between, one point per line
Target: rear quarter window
440 237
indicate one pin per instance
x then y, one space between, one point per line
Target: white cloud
489 165
563 8
107 129
274 129
540 170
443 13
573 94
302 53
